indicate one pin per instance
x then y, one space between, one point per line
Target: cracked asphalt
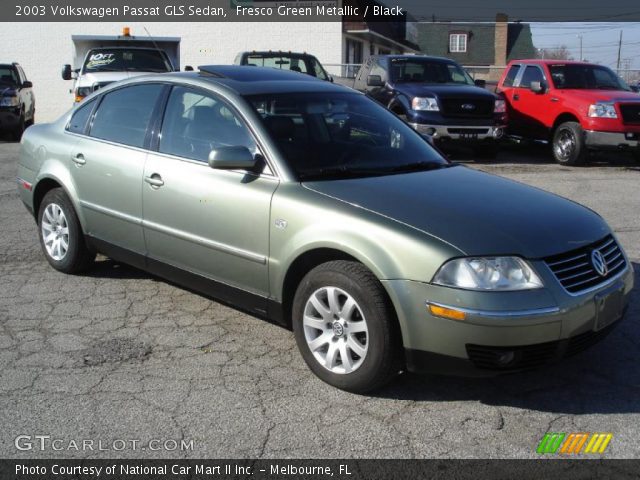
119 354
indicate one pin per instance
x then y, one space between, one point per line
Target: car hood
603 95
422 89
478 213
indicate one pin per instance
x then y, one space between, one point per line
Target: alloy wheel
55 231
335 330
565 144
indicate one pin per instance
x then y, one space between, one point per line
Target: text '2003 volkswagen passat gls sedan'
307 203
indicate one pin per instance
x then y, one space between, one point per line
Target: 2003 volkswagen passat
308 203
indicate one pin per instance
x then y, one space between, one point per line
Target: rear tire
568 144
61 236
345 328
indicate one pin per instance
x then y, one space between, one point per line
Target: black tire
568 144
485 152
78 257
17 132
382 361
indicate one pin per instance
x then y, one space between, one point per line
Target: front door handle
554 99
78 159
516 97
154 180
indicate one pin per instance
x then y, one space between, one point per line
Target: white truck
102 59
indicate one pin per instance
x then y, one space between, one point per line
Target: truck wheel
60 234
19 130
345 328
568 144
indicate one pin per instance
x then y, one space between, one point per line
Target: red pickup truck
576 106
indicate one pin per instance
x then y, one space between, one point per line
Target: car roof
547 61
421 57
249 80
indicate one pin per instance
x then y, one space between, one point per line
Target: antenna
155 45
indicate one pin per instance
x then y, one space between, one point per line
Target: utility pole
619 52
580 37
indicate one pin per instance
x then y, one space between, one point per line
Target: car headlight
603 110
9 101
500 107
82 92
491 273
428 104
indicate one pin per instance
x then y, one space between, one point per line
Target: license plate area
468 136
609 306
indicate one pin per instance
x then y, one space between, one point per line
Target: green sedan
309 204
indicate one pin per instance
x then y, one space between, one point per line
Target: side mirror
27 84
66 72
232 158
375 81
538 87
188 68
480 83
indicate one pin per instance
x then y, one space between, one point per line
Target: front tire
345 328
568 144
61 236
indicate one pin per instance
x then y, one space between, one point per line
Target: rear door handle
154 180
78 159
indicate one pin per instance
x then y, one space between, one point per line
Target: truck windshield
342 135
586 77
124 59
8 75
409 70
297 63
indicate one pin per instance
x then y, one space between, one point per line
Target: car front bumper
9 117
503 331
461 132
615 140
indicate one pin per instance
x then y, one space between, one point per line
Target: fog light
445 312
498 133
506 358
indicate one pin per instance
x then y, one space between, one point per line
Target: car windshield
342 135
586 77
8 75
121 59
417 70
296 63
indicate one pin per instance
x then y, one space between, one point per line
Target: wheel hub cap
335 330
55 232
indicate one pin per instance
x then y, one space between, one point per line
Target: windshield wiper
419 167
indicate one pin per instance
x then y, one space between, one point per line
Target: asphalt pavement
118 355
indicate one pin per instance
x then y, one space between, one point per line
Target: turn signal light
126 31
444 312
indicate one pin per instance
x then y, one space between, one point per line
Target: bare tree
555 53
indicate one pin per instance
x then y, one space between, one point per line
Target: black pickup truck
17 102
437 97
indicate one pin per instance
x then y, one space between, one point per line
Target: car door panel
213 223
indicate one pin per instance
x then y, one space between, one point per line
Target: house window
458 42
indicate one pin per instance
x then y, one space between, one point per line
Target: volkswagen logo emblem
468 106
599 263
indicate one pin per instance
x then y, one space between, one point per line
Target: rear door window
123 116
78 122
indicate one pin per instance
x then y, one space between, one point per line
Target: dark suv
17 103
437 97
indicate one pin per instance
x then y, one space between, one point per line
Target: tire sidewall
365 375
58 197
577 156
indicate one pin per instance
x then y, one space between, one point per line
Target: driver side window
195 123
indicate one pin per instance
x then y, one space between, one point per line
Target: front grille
472 131
575 271
533 356
455 107
630 113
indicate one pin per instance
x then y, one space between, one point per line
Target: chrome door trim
111 212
